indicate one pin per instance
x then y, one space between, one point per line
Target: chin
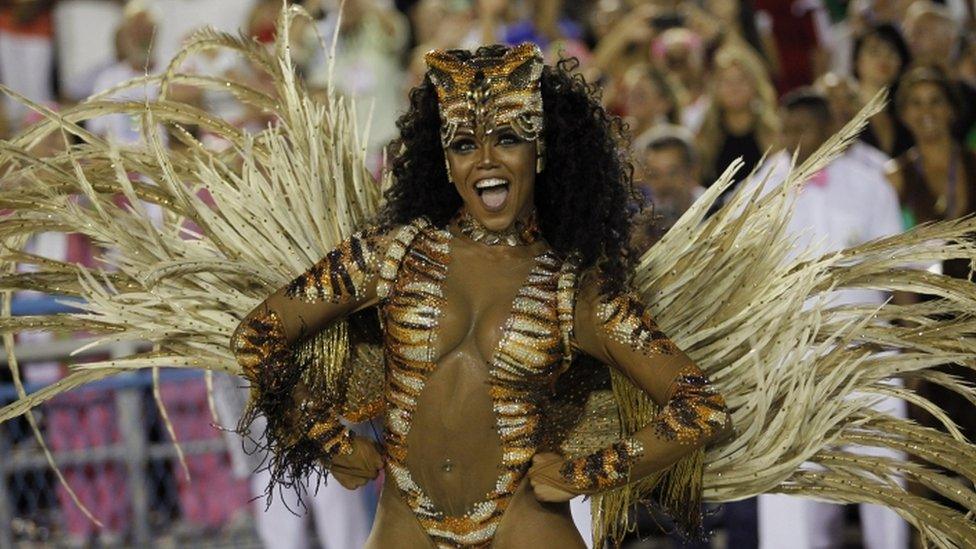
498 222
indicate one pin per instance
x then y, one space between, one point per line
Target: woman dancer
488 370
490 273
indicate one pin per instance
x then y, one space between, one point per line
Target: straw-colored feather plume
801 375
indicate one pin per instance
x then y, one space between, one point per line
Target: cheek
522 164
865 63
457 165
942 108
521 160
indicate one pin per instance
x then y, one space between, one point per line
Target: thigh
395 524
530 523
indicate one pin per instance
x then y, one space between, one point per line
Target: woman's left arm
620 332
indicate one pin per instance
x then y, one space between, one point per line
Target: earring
540 160
447 169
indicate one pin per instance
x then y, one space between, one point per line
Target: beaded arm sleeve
621 333
303 427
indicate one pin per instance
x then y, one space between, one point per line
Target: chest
933 192
501 315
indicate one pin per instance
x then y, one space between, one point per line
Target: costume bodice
520 371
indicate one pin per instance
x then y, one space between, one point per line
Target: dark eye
462 145
509 138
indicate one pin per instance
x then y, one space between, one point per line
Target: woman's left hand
544 469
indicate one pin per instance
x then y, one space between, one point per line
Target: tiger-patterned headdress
490 88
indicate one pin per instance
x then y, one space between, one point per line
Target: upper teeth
489 183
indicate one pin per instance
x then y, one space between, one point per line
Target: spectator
880 56
846 204
669 181
26 55
722 22
679 53
134 39
931 33
626 44
936 180
741 118
440 24
798 38
543 24
841 93
878 12
372 40
649 100
934 38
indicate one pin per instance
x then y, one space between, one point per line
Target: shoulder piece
397 249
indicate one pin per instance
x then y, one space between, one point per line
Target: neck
869 89
939 146
738 122
522 232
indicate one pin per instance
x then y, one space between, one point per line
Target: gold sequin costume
303 412
487 91
535 348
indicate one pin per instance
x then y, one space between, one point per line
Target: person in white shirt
846 204
134 43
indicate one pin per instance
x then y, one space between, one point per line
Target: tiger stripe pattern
694 411
606 468
343 274
626 320
527 357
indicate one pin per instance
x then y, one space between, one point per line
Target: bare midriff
454 450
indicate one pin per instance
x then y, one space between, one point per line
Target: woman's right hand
354 469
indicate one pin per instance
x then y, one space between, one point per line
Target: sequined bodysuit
424 376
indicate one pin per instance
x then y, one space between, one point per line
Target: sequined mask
520 233
492 88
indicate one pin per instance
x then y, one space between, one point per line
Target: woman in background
936 181
880 57
741 119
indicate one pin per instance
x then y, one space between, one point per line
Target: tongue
494 198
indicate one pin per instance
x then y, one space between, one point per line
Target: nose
487 159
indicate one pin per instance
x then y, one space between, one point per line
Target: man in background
846 204
669 181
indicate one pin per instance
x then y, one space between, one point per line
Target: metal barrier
108 440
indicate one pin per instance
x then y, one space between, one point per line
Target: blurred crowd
699 83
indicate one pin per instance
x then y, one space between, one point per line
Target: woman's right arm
303 428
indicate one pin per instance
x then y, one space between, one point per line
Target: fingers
349 482
547 493
543 461
543 465
357 468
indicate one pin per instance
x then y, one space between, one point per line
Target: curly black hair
581 196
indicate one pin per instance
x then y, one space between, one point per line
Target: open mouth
493 193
